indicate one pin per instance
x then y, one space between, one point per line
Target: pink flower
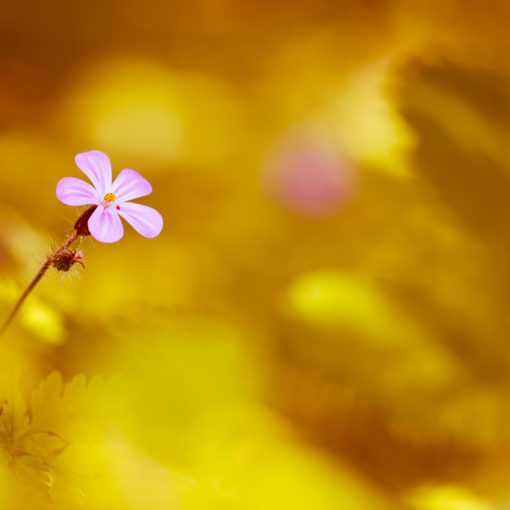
308 176
112 199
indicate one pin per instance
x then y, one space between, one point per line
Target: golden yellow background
270 349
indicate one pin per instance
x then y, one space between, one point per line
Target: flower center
109 197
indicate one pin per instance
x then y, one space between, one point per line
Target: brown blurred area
362 295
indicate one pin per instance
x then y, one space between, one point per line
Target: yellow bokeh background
323 322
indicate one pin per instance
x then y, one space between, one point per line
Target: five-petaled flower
112 198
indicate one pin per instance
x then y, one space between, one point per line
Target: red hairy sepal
81 225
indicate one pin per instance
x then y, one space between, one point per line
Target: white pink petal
145 220
129 185
73 191
105 225
97 167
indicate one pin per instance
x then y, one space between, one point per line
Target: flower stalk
62 259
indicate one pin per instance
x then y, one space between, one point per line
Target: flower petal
96 166
105 225
145 220
73 191
129 185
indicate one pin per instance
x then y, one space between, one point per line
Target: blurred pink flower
308 176
112 199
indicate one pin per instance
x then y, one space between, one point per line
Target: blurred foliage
323 322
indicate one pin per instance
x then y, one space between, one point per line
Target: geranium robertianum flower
111 198
108 201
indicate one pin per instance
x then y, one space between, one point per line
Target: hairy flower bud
63 260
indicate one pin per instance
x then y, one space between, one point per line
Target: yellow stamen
109 197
